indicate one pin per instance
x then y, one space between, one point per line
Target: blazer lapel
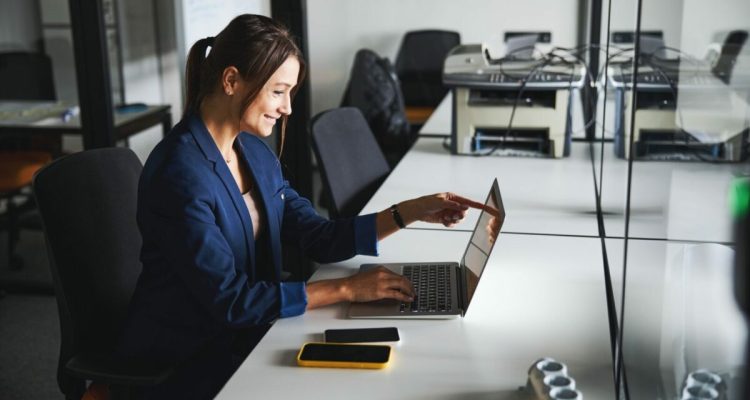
209 149
266 190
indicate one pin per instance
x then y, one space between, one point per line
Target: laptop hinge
462 300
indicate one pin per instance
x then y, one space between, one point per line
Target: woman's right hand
376 284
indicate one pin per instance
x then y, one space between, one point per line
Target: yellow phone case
342 364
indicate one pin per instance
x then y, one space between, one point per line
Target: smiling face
273 100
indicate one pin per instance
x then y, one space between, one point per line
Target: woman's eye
278 92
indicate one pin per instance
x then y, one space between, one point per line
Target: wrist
343 288
328 291
396 216
407 211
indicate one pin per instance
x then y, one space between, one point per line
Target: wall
661 15
58 44
706 22
689 25
156 36
19 26
338 28
142 76
197 19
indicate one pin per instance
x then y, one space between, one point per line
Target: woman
213 210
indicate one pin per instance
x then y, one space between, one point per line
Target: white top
255 214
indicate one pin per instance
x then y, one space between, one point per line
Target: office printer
682 111
487 93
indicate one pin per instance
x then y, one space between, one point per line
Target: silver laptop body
446 287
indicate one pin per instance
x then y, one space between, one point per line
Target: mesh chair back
351 163
26 76
374 89
419 65
87 202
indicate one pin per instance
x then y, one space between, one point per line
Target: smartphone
363 335
341 355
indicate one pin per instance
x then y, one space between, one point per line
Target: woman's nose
286 106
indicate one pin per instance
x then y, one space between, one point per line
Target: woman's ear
229 80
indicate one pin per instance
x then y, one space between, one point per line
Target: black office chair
87 201
730 50
352 166
23 76
419 66
373 88
26 76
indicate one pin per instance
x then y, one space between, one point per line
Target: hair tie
210 40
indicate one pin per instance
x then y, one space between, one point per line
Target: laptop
444 289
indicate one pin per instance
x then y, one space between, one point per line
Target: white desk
669 200
529 304
441 119
542 195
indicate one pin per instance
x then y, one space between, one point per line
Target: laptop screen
483 240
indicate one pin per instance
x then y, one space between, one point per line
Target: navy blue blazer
202 274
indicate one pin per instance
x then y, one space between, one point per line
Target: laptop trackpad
382 308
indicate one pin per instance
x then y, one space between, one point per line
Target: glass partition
617 40
681 118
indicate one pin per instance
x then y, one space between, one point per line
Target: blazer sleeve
182 224
322 239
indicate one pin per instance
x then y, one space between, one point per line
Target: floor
29 326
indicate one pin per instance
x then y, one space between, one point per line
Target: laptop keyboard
432 286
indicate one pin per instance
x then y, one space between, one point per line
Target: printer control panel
469 66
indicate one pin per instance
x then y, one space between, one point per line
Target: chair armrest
105 369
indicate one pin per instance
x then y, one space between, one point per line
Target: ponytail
194 71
